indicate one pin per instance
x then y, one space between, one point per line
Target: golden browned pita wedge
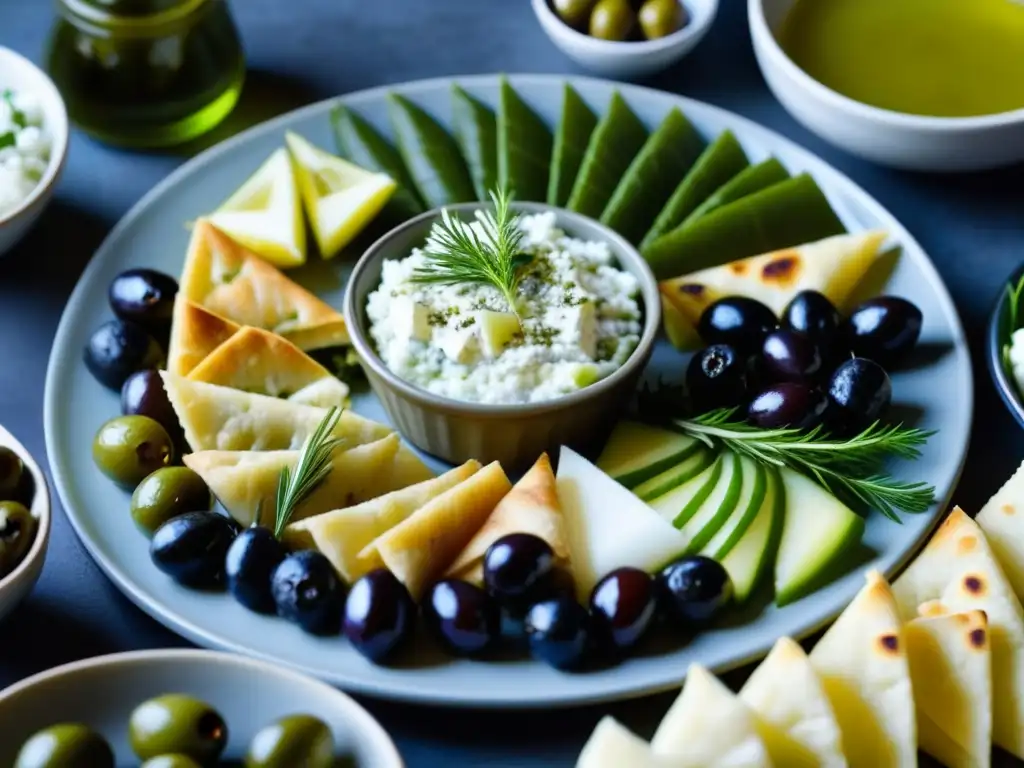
530 507
259 361
341 534
195 333
227 278
420 549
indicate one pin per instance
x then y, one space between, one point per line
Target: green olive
296 740
660 18
171 761
612 20
68 745
17 530
167 493
12 474
176 724
127 448
573 12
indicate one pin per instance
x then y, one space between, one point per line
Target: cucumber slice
748 561
722 160
652 176
615 142
476 130
679 504
571 139
752 179
524 148
361 143
675 475
717 507
816 531
431 155
789 213
747 506
636 452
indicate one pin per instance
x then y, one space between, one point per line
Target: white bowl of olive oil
926 85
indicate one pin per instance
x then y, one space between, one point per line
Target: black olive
789 356
118 349
788 404
738 321
146 297
884 329
860 393
717 378
191 548
308 591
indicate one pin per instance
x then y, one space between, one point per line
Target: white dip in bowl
24 147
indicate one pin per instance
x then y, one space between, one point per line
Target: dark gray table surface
304 50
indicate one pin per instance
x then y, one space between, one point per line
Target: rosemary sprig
850 469
459 252
312 468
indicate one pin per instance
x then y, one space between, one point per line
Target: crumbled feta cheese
24 148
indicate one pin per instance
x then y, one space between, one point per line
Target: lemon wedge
265 214
340 198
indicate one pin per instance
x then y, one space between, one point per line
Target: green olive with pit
171 761
12 474
167 493
17 531
573 12
176 724
660 18
612 20
67 745
128 448
292 741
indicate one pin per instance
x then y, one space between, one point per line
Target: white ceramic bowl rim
56 126
40 508
700 16
759 27
366 351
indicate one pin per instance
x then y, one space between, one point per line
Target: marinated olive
128 448
191 548
694 590
249 566
308 591
17 530
790 356
573 12
68 745
612 20
884 329
143 394
811 314
171 761
788 404
12 475
379 614
461 616
516 566
167 493
860 393
175 724
146 297
717 378
118 349
558 632
738 321
623 605
296 740
660 18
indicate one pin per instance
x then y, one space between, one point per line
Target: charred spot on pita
782 270
889 643
974 584
977 637
692 289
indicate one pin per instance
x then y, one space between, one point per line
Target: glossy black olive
146 297
462 616
811 314
308 591
717 378
516 566
693 590
558 632
379 615
789 356
143 394
191 548
118 349
623 605
249 565
788 404
884 329
860 393
738 321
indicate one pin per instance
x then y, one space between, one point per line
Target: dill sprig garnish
849 469
311 469
458 252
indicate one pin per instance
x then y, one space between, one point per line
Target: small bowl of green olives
24 522
185 709
626 39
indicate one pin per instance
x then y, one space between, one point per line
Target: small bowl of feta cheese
33 144
498 335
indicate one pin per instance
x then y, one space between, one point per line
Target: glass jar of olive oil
146 73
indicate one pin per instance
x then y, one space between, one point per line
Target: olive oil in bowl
938 58
146 73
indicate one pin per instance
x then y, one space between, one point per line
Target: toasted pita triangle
862 663
612 745
951 668
709 726
195 333
419 549
227 278
832 266
1002 520
785 691
958 568
342 534
530 507
260 361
